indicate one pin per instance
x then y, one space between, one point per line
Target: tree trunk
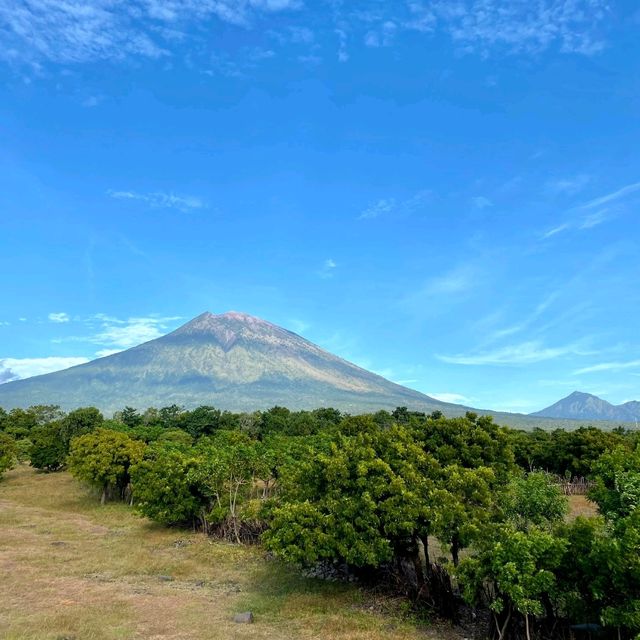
103 497
422 567
455 552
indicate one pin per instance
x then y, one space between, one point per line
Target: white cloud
116 334
556 230
81 31
480 202
391 206
59 317
523 353
379 208
594 219
159 199
18 368
327 268
580 219
382 36
519 26
299 326
456 398
103 353
568 186
457 280
610 197
343 54
609 366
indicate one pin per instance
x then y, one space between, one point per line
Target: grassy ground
72 570
581 506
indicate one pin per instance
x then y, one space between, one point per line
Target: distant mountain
584 406
232 361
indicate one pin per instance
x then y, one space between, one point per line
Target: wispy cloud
18 368
383 36
481 202
456 398
554 231
115 333
103 353
59 317
393 207
609 366
518 26
582 216
240 63
611 197
457 280
40 32
159 199
517 354
327 269
299 326
80 31
568 186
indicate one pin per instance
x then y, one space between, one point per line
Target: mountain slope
584 406
233 361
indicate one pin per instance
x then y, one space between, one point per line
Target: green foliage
469 442
512 571
231 465
534 499
368 495
565 453
468 503
164 487
8 452
48 449
617 482
79 422
103 459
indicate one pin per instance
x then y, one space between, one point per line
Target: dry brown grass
581 506
74 570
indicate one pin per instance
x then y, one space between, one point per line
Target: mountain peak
208 319
230 360
585 406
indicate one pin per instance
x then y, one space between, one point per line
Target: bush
8 452
164 488
103 459
48 450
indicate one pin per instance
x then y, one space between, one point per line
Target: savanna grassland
74 569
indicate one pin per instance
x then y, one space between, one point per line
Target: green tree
368 496
48 449
79 422
8 452
467 504
231 464
103 459
512 571
534 499
165 489
617 482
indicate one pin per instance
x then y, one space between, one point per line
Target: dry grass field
74 570
581 506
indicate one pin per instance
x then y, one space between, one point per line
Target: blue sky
446 193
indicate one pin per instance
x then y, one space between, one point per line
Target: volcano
232 361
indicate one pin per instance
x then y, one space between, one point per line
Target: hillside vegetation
458 518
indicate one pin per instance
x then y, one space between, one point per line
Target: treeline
457 512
